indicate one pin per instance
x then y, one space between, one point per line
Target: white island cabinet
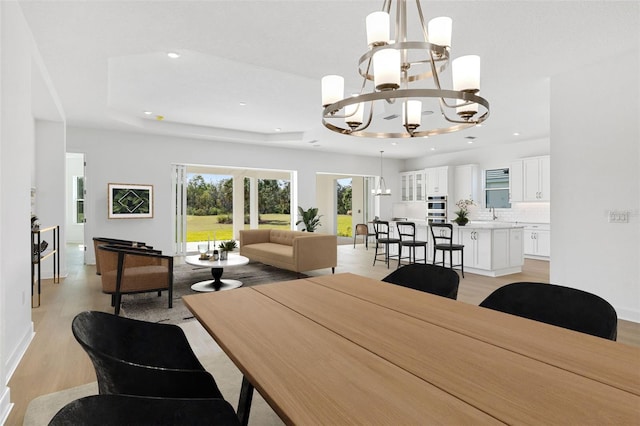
492 249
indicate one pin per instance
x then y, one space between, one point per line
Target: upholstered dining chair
363 229
407 234
118 410
133 357
442 235
127 271
428 278
384 241
565 307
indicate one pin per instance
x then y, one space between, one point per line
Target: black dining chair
384 241
133 357
428 278
442 235
118 410
407 234
565 307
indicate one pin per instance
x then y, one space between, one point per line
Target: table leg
216 273
244 403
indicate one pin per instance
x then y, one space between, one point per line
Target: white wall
50 173
122 157
595 167
23 84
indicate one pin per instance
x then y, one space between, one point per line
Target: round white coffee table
217 266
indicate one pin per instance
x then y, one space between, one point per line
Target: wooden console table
37 257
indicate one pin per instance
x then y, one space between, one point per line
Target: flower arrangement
463 211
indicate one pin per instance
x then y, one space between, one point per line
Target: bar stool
383 238
407 234
444 233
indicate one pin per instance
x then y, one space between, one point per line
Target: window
78 198
496 188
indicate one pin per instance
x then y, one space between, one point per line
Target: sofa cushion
285 237
270 252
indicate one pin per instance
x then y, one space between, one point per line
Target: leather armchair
127 270
101 241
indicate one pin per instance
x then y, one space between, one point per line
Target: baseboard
5 405
18 353
628 315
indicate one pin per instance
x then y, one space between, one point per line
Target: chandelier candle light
408 72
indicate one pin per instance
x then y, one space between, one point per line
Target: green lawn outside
203 228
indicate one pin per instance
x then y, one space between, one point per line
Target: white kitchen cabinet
537 242
477 247
420 189
536 173
516 185
412 186
491 250
466 183
437 180
407 183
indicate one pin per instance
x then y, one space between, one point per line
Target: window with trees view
210 206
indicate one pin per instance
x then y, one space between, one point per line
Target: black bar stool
444 233
383 239
407 234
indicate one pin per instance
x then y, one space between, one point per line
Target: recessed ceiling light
470 142
277 129
148 112
433 149
516 134
243 103
173 55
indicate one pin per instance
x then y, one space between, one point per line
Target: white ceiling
108 63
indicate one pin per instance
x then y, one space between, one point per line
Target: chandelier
381 188
402 79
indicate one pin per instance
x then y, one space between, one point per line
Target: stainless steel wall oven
437 209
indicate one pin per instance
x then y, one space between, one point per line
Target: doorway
75 209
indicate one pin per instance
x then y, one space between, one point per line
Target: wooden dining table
347 349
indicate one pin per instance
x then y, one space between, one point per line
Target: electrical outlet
616 216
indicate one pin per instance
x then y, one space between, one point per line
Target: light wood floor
54 361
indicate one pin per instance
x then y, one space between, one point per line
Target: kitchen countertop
475 224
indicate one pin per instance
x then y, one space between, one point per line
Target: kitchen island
490 248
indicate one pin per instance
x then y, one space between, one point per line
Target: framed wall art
127 201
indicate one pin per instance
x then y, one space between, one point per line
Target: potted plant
225 247
309 218
462 214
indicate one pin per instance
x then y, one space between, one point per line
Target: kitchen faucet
493 212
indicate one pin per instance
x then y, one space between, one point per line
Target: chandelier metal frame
436 58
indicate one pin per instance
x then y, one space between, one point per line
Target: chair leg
462 262
117 303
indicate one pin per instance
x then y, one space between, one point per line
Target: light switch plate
617 216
